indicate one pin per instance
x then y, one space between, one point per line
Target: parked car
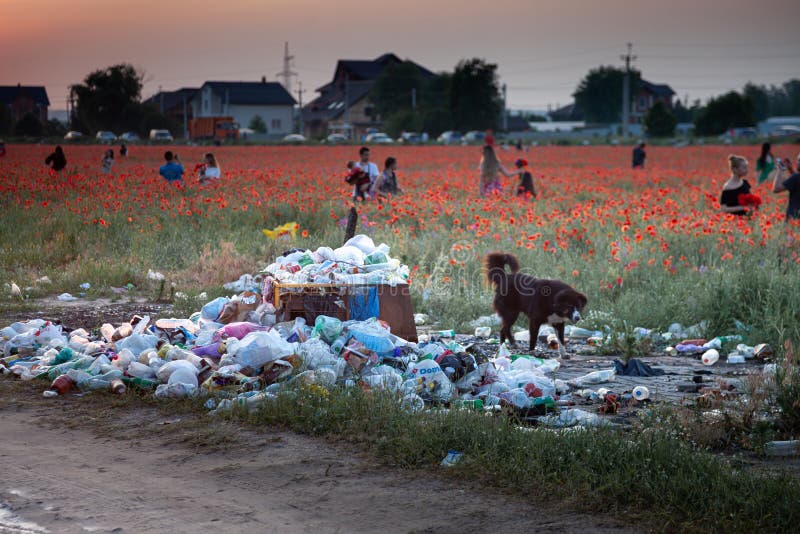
294 139
105 136
449 137
129 136
336 138
379 138
473 137
160 135
410 138
785 131
73 136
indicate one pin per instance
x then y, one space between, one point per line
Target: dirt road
67 469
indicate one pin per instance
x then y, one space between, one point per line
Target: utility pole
347 105
287 73
300 92
626 91
185 120
505 110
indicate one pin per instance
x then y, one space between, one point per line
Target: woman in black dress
735 186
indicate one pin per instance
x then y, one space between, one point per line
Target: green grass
651 476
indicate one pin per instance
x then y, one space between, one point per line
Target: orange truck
214 128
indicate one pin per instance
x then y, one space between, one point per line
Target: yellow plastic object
286 229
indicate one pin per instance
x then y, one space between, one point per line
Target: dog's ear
583 301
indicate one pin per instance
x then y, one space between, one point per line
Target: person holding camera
790 184
172 170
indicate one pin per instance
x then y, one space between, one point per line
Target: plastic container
710 357
641 393
735 357
552 342
483 331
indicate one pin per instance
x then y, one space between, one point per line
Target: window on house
276 124
205 104
642 102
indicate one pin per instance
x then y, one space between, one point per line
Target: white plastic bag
165 371
258 348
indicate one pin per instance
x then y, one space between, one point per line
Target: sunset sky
542 47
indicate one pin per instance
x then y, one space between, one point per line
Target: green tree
599 93
730 110
6 120
28 125
54 128
394 88
475 99
109 99
258 125
660 121
760 97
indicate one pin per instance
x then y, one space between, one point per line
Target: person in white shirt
209 169
368 167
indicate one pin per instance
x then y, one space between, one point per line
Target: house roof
252 93
515 123
37 93
369 69
331 104
570 112
657 89
172 99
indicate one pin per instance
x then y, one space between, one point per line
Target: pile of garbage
247 363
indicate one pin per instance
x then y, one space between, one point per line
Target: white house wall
244 114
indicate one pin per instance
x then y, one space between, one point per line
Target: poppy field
649 247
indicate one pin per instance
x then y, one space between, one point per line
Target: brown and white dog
544 301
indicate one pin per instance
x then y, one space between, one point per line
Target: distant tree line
599 94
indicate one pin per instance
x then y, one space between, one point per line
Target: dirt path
67 471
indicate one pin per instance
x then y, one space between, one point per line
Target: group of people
491 168
737 197
207 171
368 181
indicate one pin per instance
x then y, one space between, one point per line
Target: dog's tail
495 266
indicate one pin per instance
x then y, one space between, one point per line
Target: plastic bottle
552 341
710 357
413 403
117 387
641 393
597 377
62 384
735 357
338 343
472 404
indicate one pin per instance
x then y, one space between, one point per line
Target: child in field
208 171
108 161
358 178
525 188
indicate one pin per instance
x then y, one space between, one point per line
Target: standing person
57 160
108 161
123 150
735 187
367 166
490 167
525 188
639 156
172 170
765 163
790 184
386 183
209 170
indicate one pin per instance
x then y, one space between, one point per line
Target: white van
160 135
